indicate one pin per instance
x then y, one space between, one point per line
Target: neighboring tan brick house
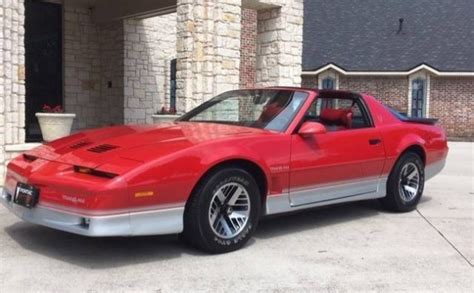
416 56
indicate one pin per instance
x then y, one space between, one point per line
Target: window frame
172 81
328 74
326 81
415 107
187 116
425 76
358 99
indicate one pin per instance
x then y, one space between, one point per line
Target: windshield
265 109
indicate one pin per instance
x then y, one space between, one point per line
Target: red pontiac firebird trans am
213 173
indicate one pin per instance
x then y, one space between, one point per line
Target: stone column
82 70
280 43
208 49
150 45
12 76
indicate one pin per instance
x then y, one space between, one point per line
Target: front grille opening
102 148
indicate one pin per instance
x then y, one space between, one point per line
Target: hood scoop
102 148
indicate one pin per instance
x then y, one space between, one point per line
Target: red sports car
213 173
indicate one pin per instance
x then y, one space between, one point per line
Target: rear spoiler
428 121
405 118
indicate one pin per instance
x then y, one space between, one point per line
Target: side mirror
311 128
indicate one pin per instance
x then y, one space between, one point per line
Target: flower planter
55 125
163 118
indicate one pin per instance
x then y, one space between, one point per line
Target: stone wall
116 72
452 102
150 45
280 43
208 44
12 75
82 72
93 69
111 101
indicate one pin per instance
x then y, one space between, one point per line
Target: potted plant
54 123
165 115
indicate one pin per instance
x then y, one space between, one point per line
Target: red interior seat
337 117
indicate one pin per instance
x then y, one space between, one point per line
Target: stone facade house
120 61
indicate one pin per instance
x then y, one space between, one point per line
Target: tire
229 199
405 184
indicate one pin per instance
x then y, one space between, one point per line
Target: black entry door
43 45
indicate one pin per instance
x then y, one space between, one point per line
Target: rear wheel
223 212
405 184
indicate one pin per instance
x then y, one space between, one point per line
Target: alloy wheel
229 210
409 182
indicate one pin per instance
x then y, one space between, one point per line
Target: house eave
388 73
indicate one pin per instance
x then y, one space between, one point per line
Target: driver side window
338 114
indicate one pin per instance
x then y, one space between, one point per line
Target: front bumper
151 222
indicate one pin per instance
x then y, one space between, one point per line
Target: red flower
46 108
169 111
52 109
58 109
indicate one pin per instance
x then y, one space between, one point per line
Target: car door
341 163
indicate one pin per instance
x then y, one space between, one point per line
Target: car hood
138 143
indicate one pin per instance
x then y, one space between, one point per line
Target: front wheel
223 212
405 184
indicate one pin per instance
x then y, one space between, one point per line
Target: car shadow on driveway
103 253
97 253
313 219
316 218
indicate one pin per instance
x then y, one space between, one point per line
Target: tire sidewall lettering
250 226
242 235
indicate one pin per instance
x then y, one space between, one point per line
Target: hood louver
102 148
80 144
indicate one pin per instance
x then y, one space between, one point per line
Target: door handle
375 141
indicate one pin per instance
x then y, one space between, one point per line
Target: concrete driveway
343 248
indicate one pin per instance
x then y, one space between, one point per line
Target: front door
346 161
43 59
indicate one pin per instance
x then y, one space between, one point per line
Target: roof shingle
361 35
